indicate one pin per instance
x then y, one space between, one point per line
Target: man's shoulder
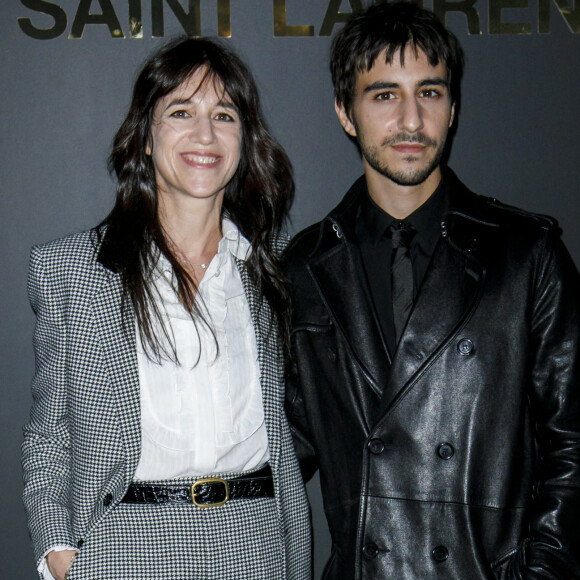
489 210
507 214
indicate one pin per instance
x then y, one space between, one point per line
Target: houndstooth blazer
82 443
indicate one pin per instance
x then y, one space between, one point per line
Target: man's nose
411 117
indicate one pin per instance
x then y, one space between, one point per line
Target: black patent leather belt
206 492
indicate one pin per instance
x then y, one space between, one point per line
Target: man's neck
400 201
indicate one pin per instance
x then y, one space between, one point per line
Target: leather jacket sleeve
552 549
299 423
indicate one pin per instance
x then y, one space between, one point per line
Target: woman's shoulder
74 249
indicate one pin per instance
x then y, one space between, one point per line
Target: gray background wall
63 98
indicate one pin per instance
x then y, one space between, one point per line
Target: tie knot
401 234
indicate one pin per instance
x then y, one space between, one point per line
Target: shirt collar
233 241
373 222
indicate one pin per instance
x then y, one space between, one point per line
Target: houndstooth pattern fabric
82 443
181 542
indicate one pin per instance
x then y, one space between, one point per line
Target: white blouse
204 415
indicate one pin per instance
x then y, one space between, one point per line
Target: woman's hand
59 563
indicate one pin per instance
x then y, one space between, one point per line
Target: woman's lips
197 159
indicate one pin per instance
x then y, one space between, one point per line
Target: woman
158 386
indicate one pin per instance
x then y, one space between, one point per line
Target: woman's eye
180 114
224 117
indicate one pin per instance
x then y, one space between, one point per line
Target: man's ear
452 117
344 119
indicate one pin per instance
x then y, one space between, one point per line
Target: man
435 340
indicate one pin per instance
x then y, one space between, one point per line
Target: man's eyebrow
438 81
380 86
385 85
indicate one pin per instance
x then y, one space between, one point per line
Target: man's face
400 117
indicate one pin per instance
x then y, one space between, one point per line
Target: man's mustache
417 139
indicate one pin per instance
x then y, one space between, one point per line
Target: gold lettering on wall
283 29
497 26
188 15
52 10
467 7
135 19
570 15
84 17
190 20
333 15
224 18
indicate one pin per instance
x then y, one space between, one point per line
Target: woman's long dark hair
257 199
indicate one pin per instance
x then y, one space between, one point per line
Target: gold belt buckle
210 480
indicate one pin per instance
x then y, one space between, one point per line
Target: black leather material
206 493
461 459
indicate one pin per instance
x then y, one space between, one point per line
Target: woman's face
195 140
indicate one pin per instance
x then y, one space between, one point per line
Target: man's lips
199 159
409 147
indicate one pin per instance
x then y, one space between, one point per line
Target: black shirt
373 237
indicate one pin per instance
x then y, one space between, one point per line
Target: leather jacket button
440 554
107 500
376 446
445 451
370 550
465 346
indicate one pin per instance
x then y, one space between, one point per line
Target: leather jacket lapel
339 275
449 293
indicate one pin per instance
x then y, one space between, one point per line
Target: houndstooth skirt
239 540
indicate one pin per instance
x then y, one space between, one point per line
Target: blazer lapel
118 342
270 361
339 275
450 291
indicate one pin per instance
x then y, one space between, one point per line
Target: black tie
401 275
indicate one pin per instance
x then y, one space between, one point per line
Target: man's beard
414 176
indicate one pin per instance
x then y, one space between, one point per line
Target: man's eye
180 114
430 93
385 96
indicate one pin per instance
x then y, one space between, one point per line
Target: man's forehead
412 60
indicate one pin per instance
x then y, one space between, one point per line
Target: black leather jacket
459 457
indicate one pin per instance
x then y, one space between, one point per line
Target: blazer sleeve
552 549
46 446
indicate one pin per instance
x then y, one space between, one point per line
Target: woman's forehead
203 82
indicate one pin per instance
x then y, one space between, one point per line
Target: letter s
53 10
